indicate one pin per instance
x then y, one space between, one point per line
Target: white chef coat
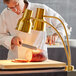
8 23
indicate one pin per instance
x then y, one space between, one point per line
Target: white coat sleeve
5 38
55 22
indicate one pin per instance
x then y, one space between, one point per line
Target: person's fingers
47 40
16 43
53 39
12 47
50 40
19 41
16 40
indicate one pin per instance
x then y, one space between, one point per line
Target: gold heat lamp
38 25
25 25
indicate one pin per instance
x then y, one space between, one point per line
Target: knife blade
29 46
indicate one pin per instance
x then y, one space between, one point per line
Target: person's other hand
16 41
54 38
51 39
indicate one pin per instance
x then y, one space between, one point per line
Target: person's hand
47 39
54 38
16 41
51 39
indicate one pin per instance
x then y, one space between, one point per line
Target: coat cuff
6 42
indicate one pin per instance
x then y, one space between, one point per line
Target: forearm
5 40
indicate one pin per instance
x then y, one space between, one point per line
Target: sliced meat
19 60
35 55
32 56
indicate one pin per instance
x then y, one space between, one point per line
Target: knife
28 46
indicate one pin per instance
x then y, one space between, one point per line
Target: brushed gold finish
69 51
69 67
57 33
24 24
37 24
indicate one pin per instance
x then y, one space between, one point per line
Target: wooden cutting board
8 64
